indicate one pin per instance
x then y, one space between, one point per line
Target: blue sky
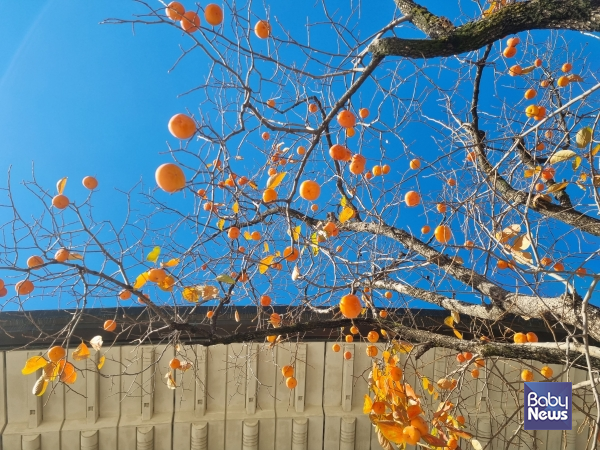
78 98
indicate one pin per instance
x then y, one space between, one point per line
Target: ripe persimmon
515 70
156 275
350 306
357 164
174 11
61 255
396 373
125 294
520 338
287 371
265 136
110 325
262 29
373 336
33 262
56 353
182 126
60 201
340 153
512 42
90 183
213 14
347 355
190 22
24 287
509 52
530 93
377 171
175 364
312 107
475 373
412 198
346 119
527 375
349 338
310 190
363 113
269 195
385 169
301 150
546 372
233 233
255 235
415 164
443 234
441 207
425 229
170 178
291 254
562 81
566 67
531 337
336 348
350 132
411 435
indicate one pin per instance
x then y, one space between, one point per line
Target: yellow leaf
449 321
278 253
265 263
101 362
531 172
33 364
296 233
171 263
392 431
561 155
315 243
74 256
457 333
347 214
425 383
236 207
140 280
596 149
368 405
221 224
343 201
455 316
247 236
82 352
557 187
60 186
153 255
402 346
574 78
508 233
527 70
476 445
266 247
522 257
51 371
276 180
521 243
237 316
40 386
190 294
576 162
253 185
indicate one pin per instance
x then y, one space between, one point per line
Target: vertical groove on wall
5 392
323 391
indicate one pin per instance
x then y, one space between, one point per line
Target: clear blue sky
78 98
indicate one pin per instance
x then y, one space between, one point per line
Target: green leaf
224 278
153 255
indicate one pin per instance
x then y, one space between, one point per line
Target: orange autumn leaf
33 364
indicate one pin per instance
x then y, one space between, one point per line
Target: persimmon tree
350 170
